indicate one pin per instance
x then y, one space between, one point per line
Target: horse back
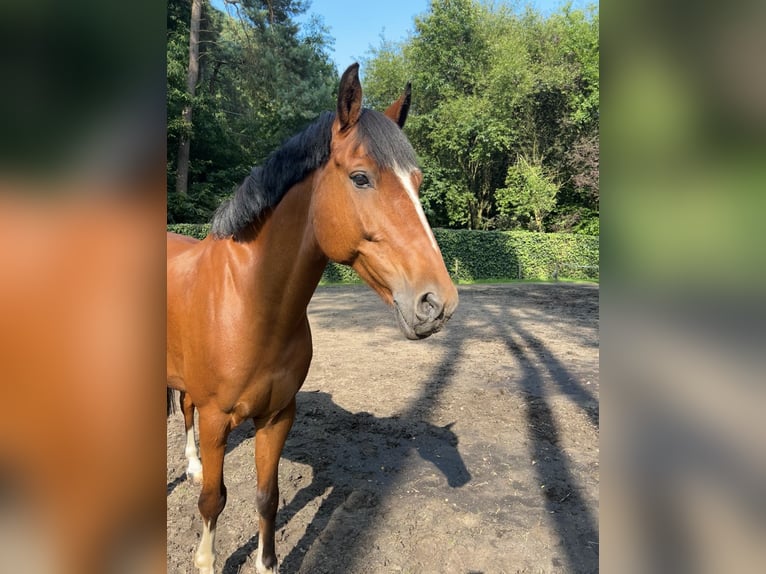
178 243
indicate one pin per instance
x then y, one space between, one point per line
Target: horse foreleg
212 499
194 466
269 440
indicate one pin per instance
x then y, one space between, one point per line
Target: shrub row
477 255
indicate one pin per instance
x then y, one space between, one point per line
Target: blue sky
358 25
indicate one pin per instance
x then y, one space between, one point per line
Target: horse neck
286 261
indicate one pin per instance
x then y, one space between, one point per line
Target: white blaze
406 180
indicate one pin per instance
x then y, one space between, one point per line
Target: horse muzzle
423 315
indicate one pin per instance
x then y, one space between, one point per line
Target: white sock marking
204 559
260 568
194 467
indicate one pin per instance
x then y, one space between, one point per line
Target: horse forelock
385 142
306 151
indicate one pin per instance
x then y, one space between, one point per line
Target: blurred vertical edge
82 286
682 292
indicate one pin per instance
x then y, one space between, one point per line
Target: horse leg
270 437
213 430
194 466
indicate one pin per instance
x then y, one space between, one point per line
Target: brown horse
238 342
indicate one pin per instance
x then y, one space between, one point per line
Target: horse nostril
429 307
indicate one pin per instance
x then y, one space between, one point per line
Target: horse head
366 212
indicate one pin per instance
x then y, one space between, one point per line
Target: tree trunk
184 146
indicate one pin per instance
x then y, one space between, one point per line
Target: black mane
300 155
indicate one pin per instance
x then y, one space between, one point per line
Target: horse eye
360 180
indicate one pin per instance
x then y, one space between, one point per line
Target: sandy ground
475 450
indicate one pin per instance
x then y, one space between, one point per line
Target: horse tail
171 402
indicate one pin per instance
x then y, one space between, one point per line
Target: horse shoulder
183 269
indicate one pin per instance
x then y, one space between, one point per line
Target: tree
261 78
463 135
562 116
453 124
529 191
184 145
491 85
386 72
449 50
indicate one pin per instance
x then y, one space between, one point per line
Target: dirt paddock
475 450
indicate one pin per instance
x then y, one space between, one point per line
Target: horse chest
265 381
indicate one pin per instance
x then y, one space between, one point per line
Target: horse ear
349 98
399 109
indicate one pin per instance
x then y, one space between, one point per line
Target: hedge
476 255
480 255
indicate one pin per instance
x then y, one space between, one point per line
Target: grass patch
326 283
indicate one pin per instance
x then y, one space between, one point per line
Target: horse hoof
205 569
260 568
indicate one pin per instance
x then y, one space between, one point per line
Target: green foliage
574 219
337 273
478 255
196 230
589 226
529 191
491 85
198 205
449 50
462 133
482 255
262 78
385 75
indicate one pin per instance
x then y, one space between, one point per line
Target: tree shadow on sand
542 373
370 452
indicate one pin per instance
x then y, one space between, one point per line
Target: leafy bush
529 191
198 230
337 273
478 255
198 205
